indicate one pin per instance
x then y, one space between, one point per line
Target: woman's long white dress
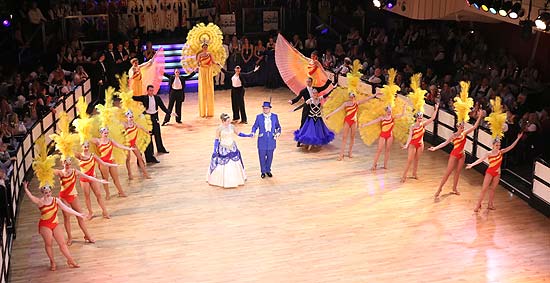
226 167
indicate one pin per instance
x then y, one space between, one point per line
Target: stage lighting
516 11
506 5
495 6
390 4
377 3
543 21
475 4
485 5
6 23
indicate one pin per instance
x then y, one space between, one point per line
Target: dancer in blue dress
314 132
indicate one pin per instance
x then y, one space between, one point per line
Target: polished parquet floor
316 220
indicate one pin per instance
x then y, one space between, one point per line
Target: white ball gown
226 167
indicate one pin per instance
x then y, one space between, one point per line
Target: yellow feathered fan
338 96
375 108
417 95
497 119
213 36
109 117
65 141
463 103
42 163
143 120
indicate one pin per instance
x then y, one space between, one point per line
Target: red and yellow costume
387 128
417 138
458 146
351 114
106 151
494 164
132 135
48 215
87 166
68 187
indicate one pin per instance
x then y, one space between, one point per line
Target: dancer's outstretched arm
67 209
336 110
402 112
34 199
443 144
104 163
409 138
82 175
479 117
377 120
479 160
116 144
513 144
429 121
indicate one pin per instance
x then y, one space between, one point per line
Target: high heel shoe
72 264
340 158
478 208
89 240
53 267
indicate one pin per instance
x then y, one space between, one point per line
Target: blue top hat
266 104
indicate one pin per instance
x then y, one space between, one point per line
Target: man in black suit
176 94
100 79
152 102
238 82
306 94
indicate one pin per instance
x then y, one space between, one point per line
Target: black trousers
149 154
237 103
176 97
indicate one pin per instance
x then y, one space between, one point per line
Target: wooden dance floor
316 220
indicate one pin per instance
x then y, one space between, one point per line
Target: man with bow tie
269 129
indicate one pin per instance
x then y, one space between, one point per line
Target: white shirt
177 83
310 90
152 109
236 81
267 122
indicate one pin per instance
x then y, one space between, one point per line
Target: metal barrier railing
11 195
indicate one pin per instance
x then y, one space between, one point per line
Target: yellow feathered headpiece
210 34
65 141
85 125
42 163
109 117
497 119
354 76
390 89
463 103
417 94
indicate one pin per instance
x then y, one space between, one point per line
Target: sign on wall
228 24
271 20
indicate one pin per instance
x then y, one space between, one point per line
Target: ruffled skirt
314 132
226 168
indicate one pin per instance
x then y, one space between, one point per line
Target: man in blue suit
269 129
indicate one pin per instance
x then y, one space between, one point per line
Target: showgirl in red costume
132 129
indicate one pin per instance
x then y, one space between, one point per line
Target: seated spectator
5 159
433 95
328 60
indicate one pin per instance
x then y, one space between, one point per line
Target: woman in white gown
226 167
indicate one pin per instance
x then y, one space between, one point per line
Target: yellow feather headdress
417 94
201 33
65 141
497 119
389 91
353 77
42 163
463 103
85 125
